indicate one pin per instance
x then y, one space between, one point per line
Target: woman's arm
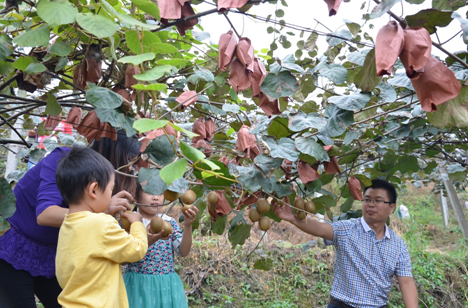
186 244
52 216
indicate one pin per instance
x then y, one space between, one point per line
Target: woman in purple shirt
27 250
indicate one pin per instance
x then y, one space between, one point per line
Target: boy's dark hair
80 167
382 184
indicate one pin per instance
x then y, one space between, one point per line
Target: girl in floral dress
152 281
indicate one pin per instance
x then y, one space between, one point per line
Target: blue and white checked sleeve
403 266
341 230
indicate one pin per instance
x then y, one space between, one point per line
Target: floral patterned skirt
155 291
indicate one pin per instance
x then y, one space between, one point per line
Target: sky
306 12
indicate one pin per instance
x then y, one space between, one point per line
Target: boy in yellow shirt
91 244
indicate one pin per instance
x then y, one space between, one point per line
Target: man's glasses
376 202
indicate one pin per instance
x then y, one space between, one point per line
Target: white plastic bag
403 212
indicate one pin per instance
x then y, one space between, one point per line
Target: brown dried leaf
187 98
131 71
169 9
269 105
245 53
92 128
246 142
222 206
210 129
74 116
354 186
332 166
228 4
200 129
307 174
52 121
227 46
436 85
247 200
257 77
202 144
187 11
416 51
333 6
239 76
388 46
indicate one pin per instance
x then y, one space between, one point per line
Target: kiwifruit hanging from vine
189 197
170 195
186 207
212 198
156 225
309 207
263 205
254 214
299 203
167 229
264 223
124 221
301 215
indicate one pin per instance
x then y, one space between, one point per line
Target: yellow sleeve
119 246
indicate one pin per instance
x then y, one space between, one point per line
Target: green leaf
429 19
311 147
263 264
448 5
191 153
148 39
382 8
205 75
335 72
163 48
239 234
267 163
135 60
453 113
279 128
154 73
146 125
103 98
335 38
219 225
353 27
33 38
347 205
116 119
4 51
339 121
311 41
160 150
284 148
98 25
211 164
415 1
128 19
407 164
367 78
161 87
151 181
301 121
60 49
213 180
183 130
4 225
148 7
22 63
53 108
173 171
7 199
61 64
174 62
352 102
56 13
430 166
35 68
283 84
279 13
463 25
289 62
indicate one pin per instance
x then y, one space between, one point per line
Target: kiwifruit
299 203
309 207
156 225
186 207
254 214
189 197
171 195
264 223
212 198
301 215
167 229
263 205
124 222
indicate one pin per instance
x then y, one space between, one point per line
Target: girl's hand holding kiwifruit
119 202
153 238
189 215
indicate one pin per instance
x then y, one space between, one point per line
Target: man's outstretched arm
310 226
409 291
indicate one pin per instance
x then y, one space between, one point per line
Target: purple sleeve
47 192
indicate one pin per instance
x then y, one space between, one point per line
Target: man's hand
119 202
284 212
409 291
189 216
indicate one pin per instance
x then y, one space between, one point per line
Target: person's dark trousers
17 289
332 306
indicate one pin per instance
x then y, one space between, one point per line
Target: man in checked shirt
368 253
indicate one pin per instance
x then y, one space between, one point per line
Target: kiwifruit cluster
188 199
255 214
303 207
212 200
157 224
